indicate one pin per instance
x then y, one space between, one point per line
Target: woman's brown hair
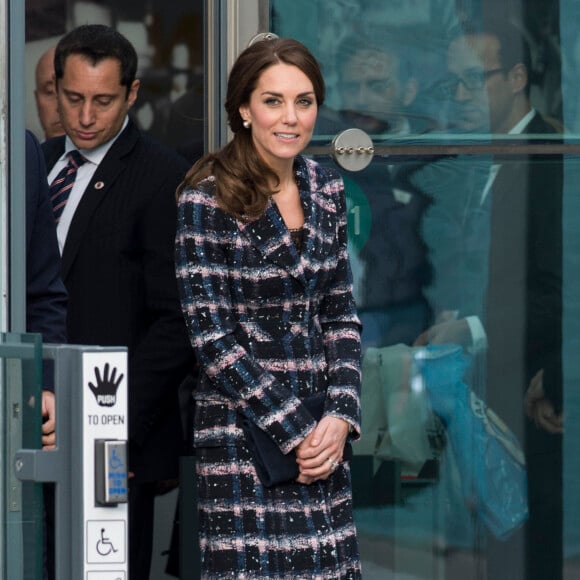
243 180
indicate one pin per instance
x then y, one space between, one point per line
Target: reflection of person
45 95
520 320
377 88
490 82
266 292
116 235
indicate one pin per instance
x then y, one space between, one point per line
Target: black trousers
141 516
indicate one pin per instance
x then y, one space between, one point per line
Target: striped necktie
63 183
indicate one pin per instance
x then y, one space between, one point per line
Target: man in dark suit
519 320
116 235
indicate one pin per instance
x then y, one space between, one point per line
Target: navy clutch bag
272 466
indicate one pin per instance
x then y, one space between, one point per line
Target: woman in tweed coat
266 292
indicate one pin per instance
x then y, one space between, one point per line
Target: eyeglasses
472 80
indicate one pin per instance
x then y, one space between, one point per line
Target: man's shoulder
33 152
541 125
132 137
53 149
146 161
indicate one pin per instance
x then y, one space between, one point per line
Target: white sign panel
104 376
106 541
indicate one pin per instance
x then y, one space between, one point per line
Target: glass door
21 504
461 118
22 522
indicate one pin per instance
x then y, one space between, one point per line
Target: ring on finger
333 464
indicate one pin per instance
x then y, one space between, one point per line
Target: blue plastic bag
488 455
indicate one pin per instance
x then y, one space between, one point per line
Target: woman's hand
321 452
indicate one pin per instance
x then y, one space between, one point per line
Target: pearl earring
246 124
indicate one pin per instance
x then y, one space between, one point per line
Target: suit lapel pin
99 185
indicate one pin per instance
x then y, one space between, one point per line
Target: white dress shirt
478 335
84 175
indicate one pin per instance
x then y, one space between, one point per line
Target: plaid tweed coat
270 326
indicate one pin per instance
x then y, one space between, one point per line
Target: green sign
358 215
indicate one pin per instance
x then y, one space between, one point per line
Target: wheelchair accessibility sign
106 542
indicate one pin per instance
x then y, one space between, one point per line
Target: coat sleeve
203 234
341 328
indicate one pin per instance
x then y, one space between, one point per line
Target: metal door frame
12 209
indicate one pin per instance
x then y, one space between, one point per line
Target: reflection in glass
459 251
473 79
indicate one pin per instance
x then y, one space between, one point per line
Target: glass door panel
21 363
464 247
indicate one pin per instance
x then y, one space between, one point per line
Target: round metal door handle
353 149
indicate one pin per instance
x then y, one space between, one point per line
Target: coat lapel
271 237
98 188
320 218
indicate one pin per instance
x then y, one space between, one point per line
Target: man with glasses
516 207
488 82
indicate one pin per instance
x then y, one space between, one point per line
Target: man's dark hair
97 42
388 43
513 46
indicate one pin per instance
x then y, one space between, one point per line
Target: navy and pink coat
269 325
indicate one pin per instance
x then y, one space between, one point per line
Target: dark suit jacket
524 295
46 296
118 267
501 260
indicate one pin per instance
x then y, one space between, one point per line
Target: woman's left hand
321 452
